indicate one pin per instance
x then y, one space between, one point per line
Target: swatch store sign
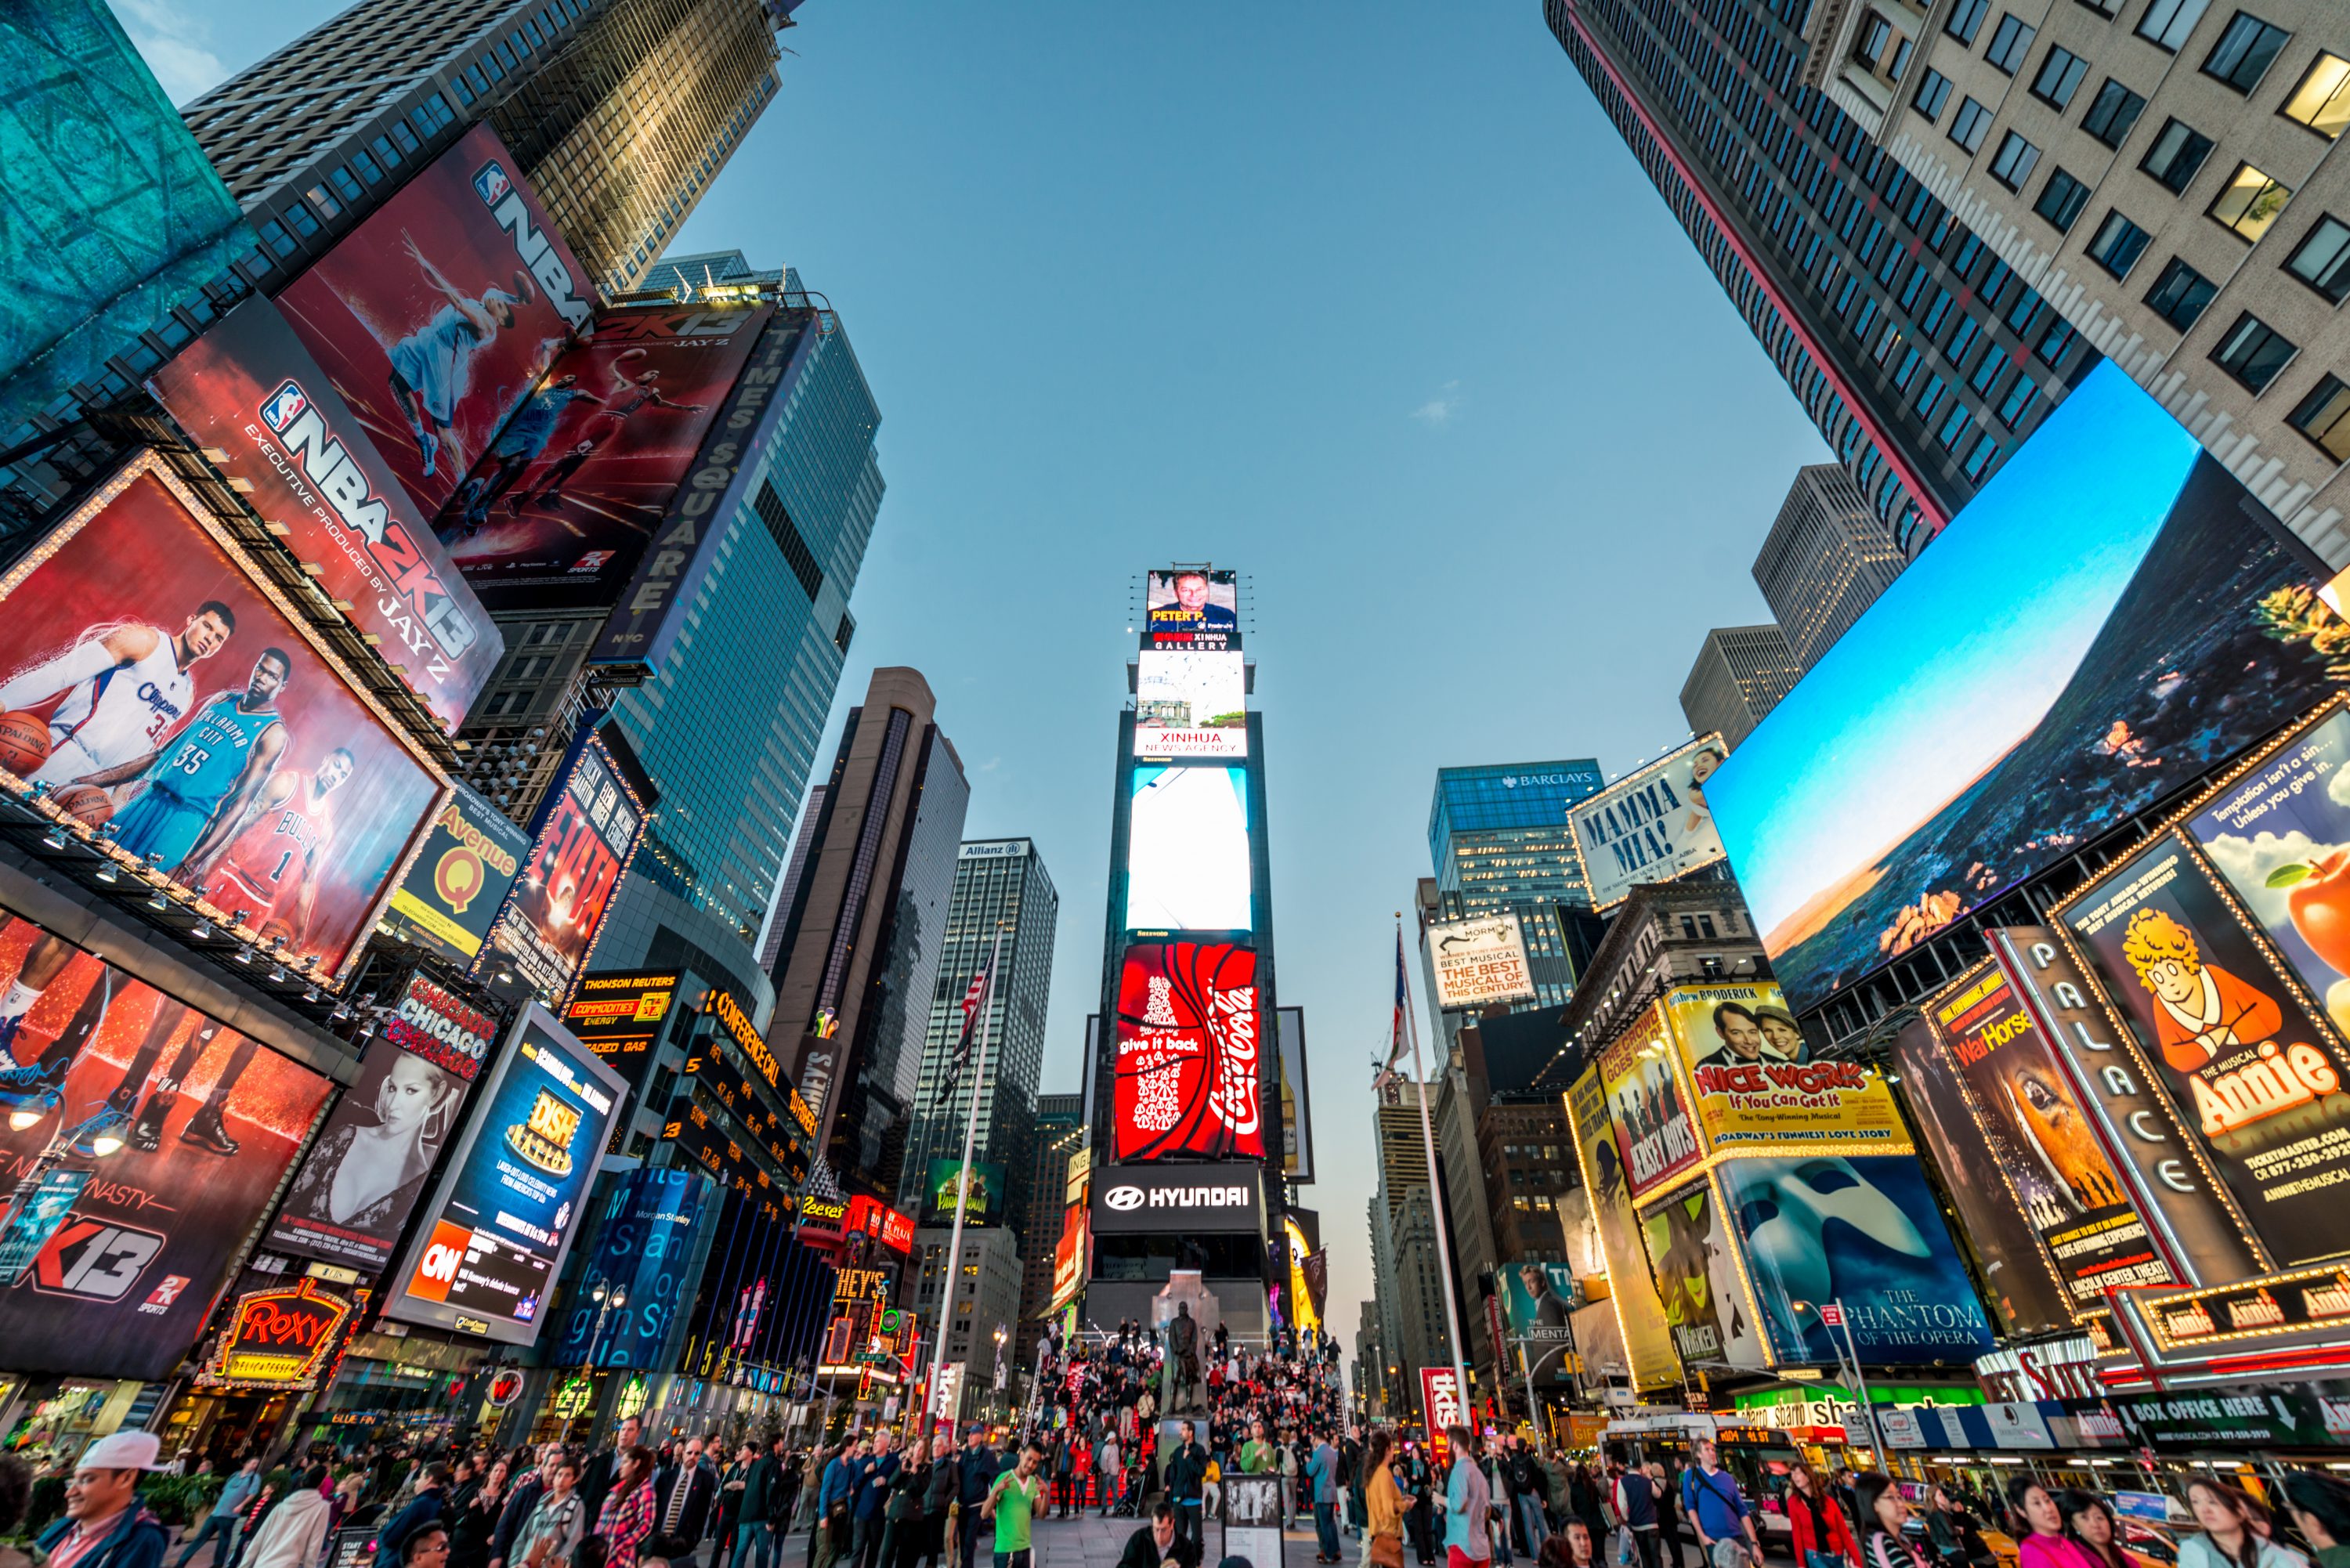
1222 1198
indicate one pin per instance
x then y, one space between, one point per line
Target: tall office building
1060 1131
1923 359
998 883
729 724
1741 673
2164 173
1407 1274
1825 560
858 963
621 112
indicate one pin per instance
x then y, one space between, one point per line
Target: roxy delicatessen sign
276 1338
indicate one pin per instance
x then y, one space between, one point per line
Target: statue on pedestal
1182 1389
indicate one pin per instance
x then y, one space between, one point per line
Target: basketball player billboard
557 510
181 1163
457 882
248 393
436 317
580 847
1190 1057
154 684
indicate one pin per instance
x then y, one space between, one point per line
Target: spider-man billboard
1189 1052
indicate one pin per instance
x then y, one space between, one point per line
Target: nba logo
491 183
283 405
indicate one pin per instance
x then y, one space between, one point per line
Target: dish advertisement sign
2042 1143
1756 1085
1650 825
1654 1133
2258 1082
436 317
1478 960
249 390
159 689
1696 1270
208 1121
1189 1052
364 1174
455 885
1640 1316
1192 607
1190 704
585 834
493 1244
1866 1232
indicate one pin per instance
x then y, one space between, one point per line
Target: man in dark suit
682 1494
1159 1544
602 1471
1186 1471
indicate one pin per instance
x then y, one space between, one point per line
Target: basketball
24 742
87 801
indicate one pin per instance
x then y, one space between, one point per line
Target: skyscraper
997 882
1060 1128
1826 560
620 112
858 959
1741 673
1923 359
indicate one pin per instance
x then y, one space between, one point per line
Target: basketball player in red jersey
265 872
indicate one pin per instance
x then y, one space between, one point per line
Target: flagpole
1435 1193
962 1190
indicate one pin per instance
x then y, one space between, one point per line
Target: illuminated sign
1756 1086
276 1338
1478 960
976 1190
586 833
1190 704
1654 1134
1650 825
1188 865
1638 1315
1192 607
619 1016
1441 1408
455 885
1190 1056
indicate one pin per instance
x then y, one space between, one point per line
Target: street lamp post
1852 1368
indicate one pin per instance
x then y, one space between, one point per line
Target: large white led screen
1187 857
1190 704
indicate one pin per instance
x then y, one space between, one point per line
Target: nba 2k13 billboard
156 686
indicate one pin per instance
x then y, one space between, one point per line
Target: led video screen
1190 704
1187 608
1189 1052
2107 620
1186 856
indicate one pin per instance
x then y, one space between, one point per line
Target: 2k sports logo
94 1260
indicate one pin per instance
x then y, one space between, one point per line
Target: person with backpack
1725 1522
1635 1505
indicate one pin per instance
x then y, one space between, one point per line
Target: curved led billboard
1189 1052
1186 851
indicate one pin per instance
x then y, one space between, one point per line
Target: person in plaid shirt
628 1513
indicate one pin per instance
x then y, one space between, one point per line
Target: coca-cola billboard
1190 1058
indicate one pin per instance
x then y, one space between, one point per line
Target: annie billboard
2112 616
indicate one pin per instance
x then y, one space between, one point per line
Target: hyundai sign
1228 1197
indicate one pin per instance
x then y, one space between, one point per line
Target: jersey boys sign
1190 1056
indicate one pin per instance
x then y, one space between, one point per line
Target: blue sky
1367 301
1959 658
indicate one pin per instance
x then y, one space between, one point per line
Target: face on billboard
490 1247
557 510
1863 1232
1697 1278
2258 1081
120 1278
2110 622
1189 704
1541 1305
1654 1134
1189 1053
458 880
1188 851
586 833
1187 608
436 317
977 1189
1757 1086
1650 827
165 695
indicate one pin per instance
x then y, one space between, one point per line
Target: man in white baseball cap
104 1527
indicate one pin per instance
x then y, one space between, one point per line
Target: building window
2252 352
2323 260
1966 20
1972 120
2249 201
2180 294
2018 403
2117 246
2012 164
2322 101
2112 113
1876 32
2178 151
2244 51
2010 42
2323 417
404 138
2167 23
2060 76
325 203
274 235
2062 200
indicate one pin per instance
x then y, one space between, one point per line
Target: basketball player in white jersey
124 690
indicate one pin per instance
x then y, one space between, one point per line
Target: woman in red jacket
1823 1536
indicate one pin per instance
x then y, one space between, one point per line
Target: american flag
1396 1040
974 1002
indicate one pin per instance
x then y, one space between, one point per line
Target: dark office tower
1826 560
1923 360
1060 1129
1742 671
998 882
620 112
858 960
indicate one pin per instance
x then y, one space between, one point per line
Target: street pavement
1090 1541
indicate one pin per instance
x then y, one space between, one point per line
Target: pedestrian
870 1483
626 1520
683 1491
901 1511
291 1535
1952 1536
2231 1537
1187 1483
1012 1503
1159 1543
1884 1519
1668 1513
1352 1476
2320 1506
1496 1466
222 1520
558 1521
528 1492
1570 1548
1712 1500
1423 1512
727 1508
426 1546
1322 1475
1468 1505
472 1536
603 1468
104 1525
428 1505
974 1477
1635 1505
1823 1536
1529 1495
1109 1470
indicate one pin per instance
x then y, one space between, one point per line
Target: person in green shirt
1012 1503
1256 1454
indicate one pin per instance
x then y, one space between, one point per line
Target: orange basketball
86 802
24 742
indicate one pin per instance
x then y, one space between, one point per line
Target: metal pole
1435 1193
1860 1386
1534 1412
963 1180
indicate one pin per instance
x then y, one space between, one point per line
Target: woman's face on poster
411 1092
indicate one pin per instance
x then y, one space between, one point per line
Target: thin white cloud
175 44
1439 408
